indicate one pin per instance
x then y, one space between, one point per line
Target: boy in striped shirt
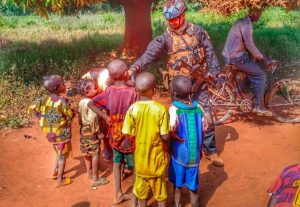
186 130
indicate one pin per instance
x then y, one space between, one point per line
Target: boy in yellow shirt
55 118
148 121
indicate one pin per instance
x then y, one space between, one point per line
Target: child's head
87 88
118 70
54 84
145 84
181 86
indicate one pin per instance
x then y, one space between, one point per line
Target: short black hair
52 82
145 81
181 85
84 85
117 69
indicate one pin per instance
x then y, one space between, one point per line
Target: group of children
142 133
146 137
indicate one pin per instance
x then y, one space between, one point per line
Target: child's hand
108 120
37 114
175 137
178 139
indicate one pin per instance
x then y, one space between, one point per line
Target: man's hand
211 75
268 62
133 70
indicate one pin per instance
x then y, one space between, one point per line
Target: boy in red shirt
117 99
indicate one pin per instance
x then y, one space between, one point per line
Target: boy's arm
99 112
165 137
174 124
79 122
175 137
67 111
128 128
164 125
272 201
275 189
35 108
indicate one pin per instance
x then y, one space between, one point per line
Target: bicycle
282 97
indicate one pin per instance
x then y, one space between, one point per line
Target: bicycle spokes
284 101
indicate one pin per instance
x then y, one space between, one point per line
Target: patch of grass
15 98
31 47
277 33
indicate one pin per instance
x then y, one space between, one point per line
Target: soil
254 149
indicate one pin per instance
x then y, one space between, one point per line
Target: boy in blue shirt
186 130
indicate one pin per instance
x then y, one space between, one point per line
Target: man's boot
262 111
215 159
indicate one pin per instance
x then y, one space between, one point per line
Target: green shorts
120 157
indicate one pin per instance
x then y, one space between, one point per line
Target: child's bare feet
89 174
54 175
122 198
65 181
100 181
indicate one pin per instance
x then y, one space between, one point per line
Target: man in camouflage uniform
187 45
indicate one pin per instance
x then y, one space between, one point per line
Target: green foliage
15 97
276 34
8 8
31 47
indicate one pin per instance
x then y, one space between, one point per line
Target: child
102 80
186 127
285 191
117 99
89 131
147 120
100 76
55 120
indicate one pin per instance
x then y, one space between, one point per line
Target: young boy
102 80
117 99
148 121
89 131
186 128
55 120
285 191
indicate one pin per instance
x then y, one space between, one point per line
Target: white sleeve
173 118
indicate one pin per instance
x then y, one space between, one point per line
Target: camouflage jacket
164 42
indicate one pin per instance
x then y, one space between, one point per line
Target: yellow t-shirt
147 121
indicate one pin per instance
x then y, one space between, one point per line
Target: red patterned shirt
118 99
287 187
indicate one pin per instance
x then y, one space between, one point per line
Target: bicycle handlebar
274 66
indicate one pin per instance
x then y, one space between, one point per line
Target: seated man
240 51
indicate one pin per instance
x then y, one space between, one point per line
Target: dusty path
254 154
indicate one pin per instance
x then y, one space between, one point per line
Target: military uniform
191 45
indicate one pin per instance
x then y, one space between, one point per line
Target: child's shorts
180 175
120 157
63 149
89 145
142 187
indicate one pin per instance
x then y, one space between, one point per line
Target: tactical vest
185 47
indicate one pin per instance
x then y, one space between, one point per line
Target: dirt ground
255 150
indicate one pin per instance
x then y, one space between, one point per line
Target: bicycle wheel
222 100
283 100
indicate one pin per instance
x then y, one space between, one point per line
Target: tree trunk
138 31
